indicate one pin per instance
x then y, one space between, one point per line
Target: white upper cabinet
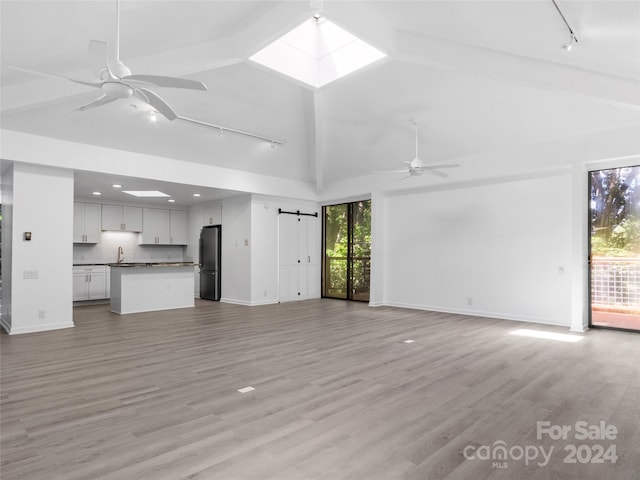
121 218
87 219
178 226
156 229
163 227
212 215
132 219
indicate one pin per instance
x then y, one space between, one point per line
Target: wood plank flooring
338 396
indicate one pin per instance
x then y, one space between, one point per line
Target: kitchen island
146 287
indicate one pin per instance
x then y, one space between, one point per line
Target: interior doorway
614 248
346 263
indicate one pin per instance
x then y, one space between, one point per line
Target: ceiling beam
505 67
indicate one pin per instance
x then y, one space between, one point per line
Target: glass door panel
360 254
347 251
336 250
614 248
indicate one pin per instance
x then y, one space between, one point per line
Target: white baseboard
233 301
41 327
477 313
270 301
246 303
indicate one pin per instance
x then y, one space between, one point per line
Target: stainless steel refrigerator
210 241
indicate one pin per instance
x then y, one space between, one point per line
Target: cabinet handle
309 259
124 226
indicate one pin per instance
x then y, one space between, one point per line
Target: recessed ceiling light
145 193
97 193
196 194
171 200
317 52
115 185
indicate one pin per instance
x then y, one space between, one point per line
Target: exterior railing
615 283
336 274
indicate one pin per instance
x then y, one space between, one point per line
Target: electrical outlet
30 274
469 300
42 314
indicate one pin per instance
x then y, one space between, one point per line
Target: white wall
42 204
494 250
236 251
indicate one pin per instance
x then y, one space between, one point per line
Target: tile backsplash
107 250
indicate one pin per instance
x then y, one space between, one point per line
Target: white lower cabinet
89 282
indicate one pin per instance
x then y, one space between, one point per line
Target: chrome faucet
120 255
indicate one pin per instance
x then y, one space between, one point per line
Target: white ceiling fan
416 167
116 81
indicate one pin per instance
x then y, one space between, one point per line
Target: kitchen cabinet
212 215
156 227
87 219
178 227
122 218
89 282
163 227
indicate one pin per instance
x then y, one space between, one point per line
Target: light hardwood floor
338 395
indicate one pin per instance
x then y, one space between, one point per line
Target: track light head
567 46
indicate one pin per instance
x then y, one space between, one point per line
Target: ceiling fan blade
97 57
102 100
438 173
156 102
391 171
171 82
52 75
432 167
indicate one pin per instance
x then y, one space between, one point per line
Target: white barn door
298 253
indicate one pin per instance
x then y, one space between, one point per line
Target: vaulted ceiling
487 81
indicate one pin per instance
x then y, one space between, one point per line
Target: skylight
146 193
317 53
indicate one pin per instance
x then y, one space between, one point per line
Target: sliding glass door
347 250
614 248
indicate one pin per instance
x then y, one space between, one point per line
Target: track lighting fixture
153 116
567 46
572 35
